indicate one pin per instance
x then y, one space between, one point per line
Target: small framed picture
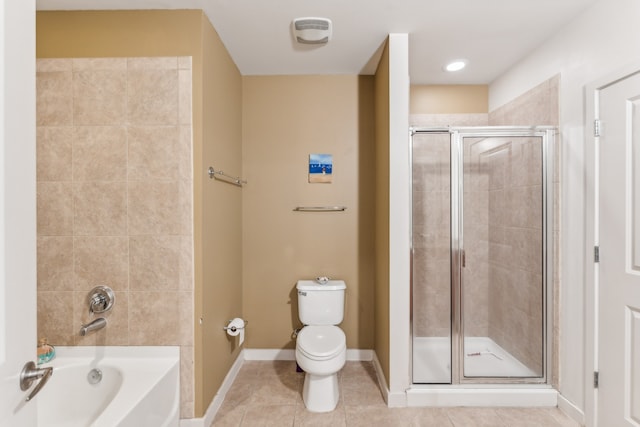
320 168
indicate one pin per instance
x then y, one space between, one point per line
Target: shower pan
482 215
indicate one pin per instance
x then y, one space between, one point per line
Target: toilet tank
321 304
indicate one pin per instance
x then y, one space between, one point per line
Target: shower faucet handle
100 299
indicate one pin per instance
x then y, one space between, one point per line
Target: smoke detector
312 30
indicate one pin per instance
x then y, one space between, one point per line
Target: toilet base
320 393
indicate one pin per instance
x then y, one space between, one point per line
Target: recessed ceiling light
456 65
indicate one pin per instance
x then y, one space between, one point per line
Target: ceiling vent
312 30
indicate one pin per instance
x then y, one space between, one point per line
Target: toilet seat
321 342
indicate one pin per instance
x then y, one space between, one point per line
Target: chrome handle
30 374
100 299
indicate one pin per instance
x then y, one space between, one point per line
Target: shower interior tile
99 153
100 208
99 97
53 153
55 263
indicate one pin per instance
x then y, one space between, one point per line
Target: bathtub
139 387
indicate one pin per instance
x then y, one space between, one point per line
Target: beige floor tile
475 417
381 416
269 415
359 385
270 394
277 390
428 417
229 416
562 419
527 417
335 418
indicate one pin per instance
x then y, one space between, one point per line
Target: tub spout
99 323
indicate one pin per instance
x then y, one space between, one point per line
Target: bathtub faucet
99 323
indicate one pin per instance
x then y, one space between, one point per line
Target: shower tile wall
540 106
431 225
114 202
432 304
503 242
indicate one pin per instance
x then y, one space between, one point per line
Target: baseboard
393 400
382 381
216 403
269 354
570 410
288 354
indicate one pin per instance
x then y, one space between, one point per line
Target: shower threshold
483 357
431 361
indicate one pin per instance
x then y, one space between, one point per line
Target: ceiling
491 35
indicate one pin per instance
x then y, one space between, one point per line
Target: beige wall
449 99
382 141
181 33
220 215
285 119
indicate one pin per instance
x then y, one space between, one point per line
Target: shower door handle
463 258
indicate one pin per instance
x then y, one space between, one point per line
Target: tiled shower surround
114 200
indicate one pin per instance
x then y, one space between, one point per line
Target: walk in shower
481 254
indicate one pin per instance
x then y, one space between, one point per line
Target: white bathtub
140 387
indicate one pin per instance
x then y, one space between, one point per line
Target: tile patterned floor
270 394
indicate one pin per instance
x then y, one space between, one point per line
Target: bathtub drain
94 376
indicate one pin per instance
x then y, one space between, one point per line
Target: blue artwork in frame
320 168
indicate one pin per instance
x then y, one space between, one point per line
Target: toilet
321 346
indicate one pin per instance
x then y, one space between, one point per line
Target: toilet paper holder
234 328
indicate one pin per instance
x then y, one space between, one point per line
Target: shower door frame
457 135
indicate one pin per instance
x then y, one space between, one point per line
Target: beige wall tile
82 64
153 97
100 208
101 260
161 263
53 64
55 263
54 103
53 153
159 152
54 209
153 63
158 208
184 93
99 97
186 320
157 317
55 317
186 380
184 62
99 153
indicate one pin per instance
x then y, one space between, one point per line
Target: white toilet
321 346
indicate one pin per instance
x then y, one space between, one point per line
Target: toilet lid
321 342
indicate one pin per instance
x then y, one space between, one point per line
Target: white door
17 207
619 242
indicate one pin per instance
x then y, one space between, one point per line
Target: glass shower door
501 246
481 254
431 265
